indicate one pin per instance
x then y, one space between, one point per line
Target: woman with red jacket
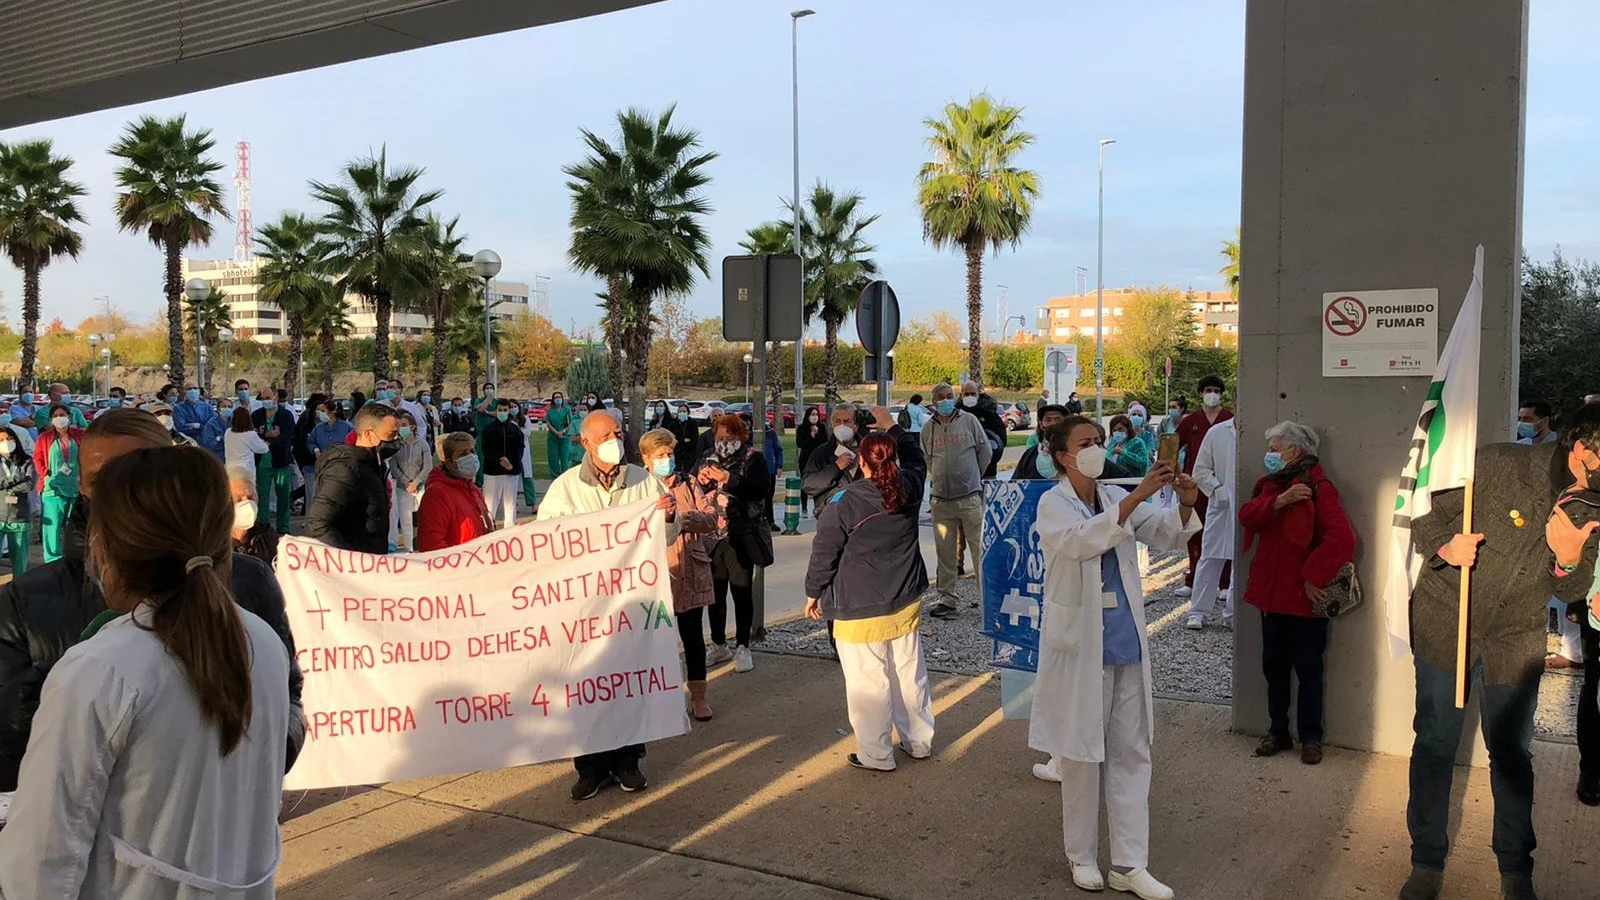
1305 539
452 511
55 459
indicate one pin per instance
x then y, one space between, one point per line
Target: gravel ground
1183 663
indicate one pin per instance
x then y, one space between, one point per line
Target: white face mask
969 400
844 433
7 448
1212 399
244 515
61 421
609 453
1090 461
166 422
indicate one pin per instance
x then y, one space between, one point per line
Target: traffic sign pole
883 352
758 423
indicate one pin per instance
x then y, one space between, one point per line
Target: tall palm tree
329 319
972 196
207 317
638 212
448 283
38 207
291 278
375 238
464 337
168 192
770 238
1230 269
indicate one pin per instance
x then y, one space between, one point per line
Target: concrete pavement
760 803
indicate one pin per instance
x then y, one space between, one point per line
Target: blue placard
1013 571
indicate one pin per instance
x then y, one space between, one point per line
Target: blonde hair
655 440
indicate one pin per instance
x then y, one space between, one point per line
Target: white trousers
402 519
1207 576
1127 777
886 688
500 492
1571 638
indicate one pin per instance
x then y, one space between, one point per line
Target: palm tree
291 278
464 337
770 238
1230 270
329 319
38 207
637 221
168 192
448 283
207 317
971 195
376 238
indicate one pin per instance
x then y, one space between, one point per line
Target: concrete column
1383 142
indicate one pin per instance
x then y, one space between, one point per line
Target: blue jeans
1507 714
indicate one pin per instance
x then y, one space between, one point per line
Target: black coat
44 612
687 451
988 413
822 477
502 440
866 561
459 423
281 453
351 508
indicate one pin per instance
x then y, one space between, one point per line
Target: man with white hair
1213 472
958 451
833 464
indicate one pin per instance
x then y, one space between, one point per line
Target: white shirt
124 792
239 448
1214 466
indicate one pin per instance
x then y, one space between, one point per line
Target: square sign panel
785 297
1380 333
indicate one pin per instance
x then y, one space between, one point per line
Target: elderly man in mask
832 465
958 452
603 479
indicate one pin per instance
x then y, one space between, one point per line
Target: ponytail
879 452
200 626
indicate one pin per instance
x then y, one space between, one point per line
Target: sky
494 119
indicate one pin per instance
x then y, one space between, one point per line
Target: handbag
1342 595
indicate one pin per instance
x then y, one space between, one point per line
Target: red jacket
452 513
1304 542
48 437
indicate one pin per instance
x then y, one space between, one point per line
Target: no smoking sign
1379 333
1345 316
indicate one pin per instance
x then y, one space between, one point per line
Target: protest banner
1013 571
539 642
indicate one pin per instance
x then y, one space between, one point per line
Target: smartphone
1167 449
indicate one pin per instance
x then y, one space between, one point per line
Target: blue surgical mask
405 431
664 467
322 416
427 398
1137 420
192 394
244 394
945 407
1045 464
502 415
115 403
1118 438
5 419
467 466
683 417
1526 431
559 401
1273 461
28 399
269 404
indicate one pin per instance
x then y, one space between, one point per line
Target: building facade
1074 316
256 320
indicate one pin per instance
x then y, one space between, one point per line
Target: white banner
540 642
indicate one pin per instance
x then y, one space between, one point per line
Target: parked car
535 409
703 409
1018 417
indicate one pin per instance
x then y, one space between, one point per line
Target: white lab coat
1215 472
573 493
1068 717
123 791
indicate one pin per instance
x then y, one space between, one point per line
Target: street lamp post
487 264
226 337
965 374
94 372
1099 296
800 345
197 289
748 359
105 354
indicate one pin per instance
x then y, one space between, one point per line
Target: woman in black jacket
811 434
735 474
867 578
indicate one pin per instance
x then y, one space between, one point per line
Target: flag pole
1461 615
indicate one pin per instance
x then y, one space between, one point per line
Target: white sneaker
1088 878
1141 884
1185 591
1225 595
1227 622
742 660
1050 771
1195 623
717 654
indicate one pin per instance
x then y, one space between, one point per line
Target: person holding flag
1471 578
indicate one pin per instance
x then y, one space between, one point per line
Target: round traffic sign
1345 316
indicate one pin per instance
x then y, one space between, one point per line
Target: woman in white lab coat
155 764
1092 702
1214 474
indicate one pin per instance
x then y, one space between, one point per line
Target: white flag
1441 455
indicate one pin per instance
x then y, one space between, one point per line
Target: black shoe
632 780
1517 887
1272 745
1424 884
587 786
1589 790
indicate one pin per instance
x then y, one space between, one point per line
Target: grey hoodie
958 452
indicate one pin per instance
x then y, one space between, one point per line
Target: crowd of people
145 705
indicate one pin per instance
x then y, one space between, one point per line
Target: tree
536 350
447 282
669 356
38 207
1230 268
376 238
769 238
207 317
291 278
1560 318
945 326
168 192
464 337
329 320
638 211
837 266
971 195
1156 323
588 374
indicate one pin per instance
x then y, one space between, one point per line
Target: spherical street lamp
487 264
748 359
197 289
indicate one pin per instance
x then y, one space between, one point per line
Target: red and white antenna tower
242 252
